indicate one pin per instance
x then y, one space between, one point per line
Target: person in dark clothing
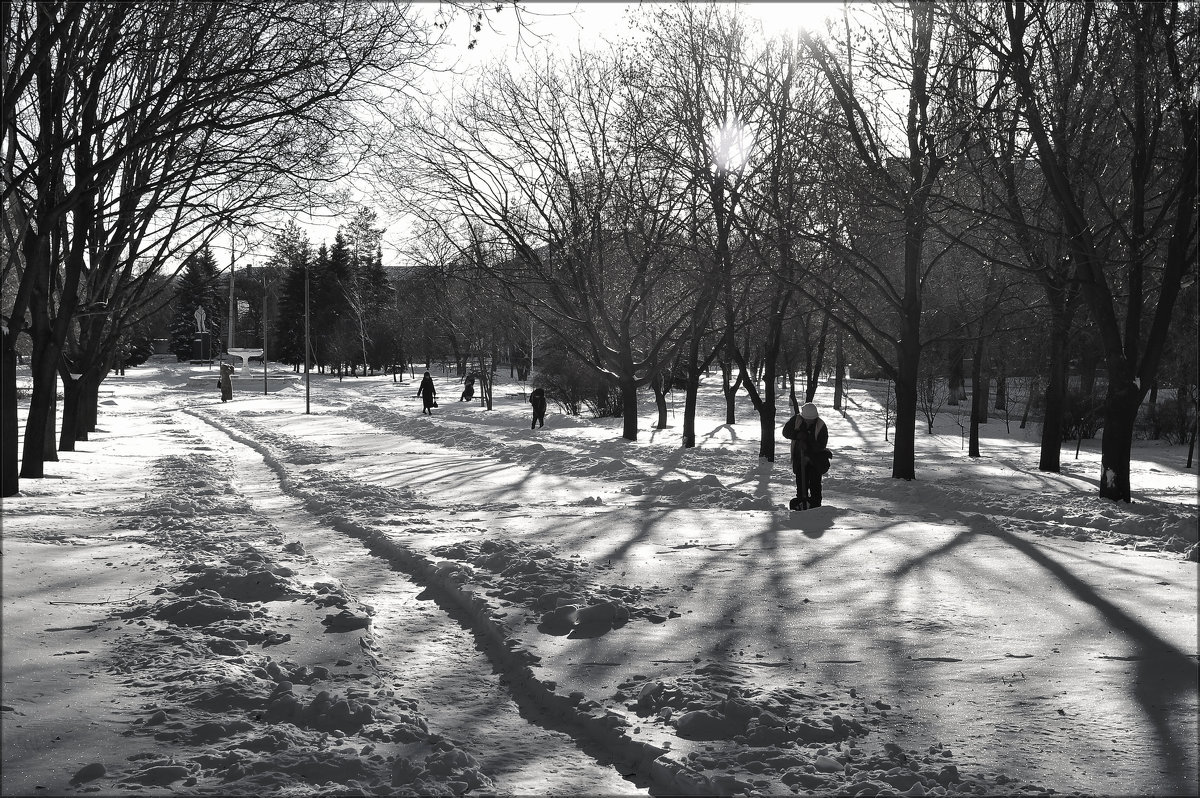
225 382
538 400
428 394
809 437
468 390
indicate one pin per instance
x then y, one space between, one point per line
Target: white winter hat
808 411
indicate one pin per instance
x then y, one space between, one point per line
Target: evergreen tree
375 280
364 243
291 256
197 287
322 310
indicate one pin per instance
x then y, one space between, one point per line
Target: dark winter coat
538 400
225 383
427 392
809 441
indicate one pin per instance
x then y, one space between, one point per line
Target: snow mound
790 739
561 595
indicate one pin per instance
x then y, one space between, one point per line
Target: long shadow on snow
1163 675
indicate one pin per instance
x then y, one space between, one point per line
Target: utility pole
307 348
232 305
264 328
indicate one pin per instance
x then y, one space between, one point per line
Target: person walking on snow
225 382
538 400
428 394
468 390
810 458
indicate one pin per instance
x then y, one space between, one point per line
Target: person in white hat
810 457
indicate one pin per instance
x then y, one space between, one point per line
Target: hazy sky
565 24
554 25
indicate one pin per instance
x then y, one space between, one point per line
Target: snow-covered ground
242 598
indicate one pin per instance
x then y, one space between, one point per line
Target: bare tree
1106 95
901 150
557 167
173 118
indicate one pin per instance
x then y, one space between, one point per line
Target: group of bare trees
135 133
919 179
920 184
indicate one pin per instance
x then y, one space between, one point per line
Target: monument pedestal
201 347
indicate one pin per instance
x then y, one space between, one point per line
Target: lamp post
264 332
307 348
232 302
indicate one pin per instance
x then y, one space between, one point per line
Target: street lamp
307 347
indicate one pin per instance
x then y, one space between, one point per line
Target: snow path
431 656
56 704
988 629
1058 710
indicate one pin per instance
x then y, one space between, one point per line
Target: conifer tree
198 287
292 255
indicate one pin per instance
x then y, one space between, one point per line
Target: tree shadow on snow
1163 676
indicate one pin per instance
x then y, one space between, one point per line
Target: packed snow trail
898 639
974 633
431 656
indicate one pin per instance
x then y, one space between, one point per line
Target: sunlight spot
730 144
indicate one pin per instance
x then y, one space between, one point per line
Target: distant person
468 390
810 458
225 382
428 394
538 400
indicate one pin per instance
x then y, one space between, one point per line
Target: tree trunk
905 451
818 362
629 409
1056 394
908 367
660 401
72 410
9 423
45 385
792 400
954 378
1031 391
49 450
766 425
691 392
730 390
1192 442
91 404
979 397
839 372
1120 412
766 408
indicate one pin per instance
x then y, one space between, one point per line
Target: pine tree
321 306
198 287
292 255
